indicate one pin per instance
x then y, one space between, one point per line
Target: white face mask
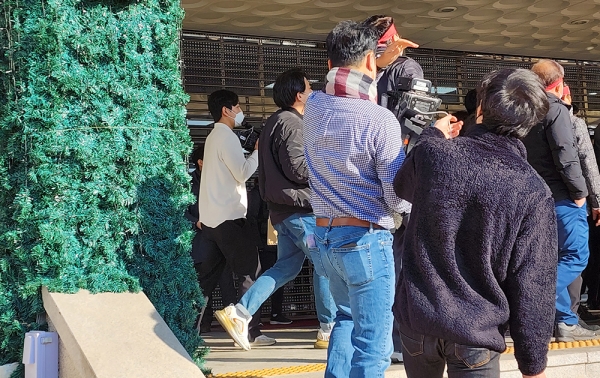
238 119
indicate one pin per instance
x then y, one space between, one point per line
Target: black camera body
412 102
248 136
413 99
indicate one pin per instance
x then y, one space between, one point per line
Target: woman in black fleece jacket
480 250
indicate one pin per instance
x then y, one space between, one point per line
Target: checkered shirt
353 149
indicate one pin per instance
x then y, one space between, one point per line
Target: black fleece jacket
282 170
551 150
480 250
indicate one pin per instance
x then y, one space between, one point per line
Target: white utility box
40 354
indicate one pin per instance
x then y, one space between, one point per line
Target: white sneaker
235 324
322 340
397 357
262 340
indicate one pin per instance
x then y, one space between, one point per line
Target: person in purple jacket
480 250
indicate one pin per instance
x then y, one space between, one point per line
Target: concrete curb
8 369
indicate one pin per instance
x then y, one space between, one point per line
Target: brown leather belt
346 221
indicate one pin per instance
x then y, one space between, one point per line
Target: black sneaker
279 319
593 306
584 314
589 326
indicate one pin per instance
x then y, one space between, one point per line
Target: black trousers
230 243
591 274
397 248
228 295
426 356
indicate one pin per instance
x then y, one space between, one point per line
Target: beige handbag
271 234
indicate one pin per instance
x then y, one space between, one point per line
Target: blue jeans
573 254
426 356
291 252
360 266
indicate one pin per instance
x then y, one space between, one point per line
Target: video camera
413 102
248 136
414 107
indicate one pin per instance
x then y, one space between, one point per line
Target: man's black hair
287 86
471 101
221 98
380 23
198 154
512 101
349 42
575 109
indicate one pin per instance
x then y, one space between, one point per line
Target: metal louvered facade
248 65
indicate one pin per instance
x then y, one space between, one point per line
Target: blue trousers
360 266
291 252
573 254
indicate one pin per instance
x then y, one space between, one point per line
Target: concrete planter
7 370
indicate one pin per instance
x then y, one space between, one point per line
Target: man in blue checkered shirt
353 149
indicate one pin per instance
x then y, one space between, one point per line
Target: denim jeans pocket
354 262
411 346
315 257
472 357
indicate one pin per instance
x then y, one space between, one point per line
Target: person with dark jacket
591 275
589 169
479 253
283 183
391 63
552 152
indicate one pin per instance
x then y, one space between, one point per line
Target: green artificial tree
93 147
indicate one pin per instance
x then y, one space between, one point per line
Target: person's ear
329 65
560 90
372 63
479 114
224 111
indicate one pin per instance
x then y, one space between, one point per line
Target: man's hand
256 145
449 125
541 375
596 216
199 225
579 202
393 51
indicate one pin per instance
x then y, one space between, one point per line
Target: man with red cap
391 62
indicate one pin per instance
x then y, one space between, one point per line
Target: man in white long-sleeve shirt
226 234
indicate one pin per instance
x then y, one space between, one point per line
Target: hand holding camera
449 125
248 137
